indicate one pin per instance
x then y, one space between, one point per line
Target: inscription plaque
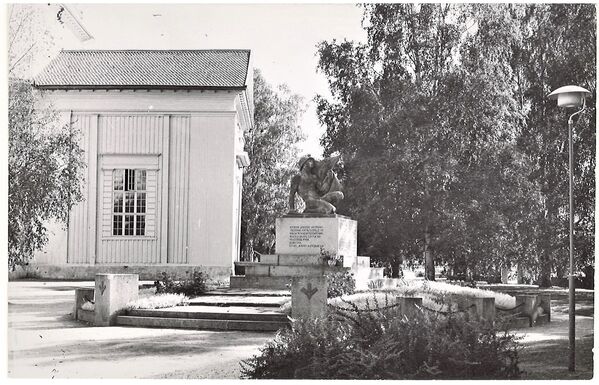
307 236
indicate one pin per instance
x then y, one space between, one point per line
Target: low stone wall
145 272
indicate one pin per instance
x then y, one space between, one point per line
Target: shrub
382 344
340 283
190 287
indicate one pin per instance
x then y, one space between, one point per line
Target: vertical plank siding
178 189
135 137
78 236
130 135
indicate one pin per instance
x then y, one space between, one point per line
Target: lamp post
567 97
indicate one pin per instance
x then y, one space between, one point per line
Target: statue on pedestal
317 185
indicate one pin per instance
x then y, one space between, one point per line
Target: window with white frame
129 202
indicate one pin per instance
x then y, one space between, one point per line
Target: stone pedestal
302 234
300 238
112 293
308 297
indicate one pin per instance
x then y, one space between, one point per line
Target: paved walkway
44 342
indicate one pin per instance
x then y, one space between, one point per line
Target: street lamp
567 97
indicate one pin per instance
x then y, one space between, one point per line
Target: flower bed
437 296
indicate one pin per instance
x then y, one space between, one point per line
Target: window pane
140 226
129 180
141 202
117 179
129 202
117 225
140 178
118 202
129 224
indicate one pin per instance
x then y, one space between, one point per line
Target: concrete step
304 260
213 312
286 260
192 323
258 282
246 301
293 259
250 292
290 271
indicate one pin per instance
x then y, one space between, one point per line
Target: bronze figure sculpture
317 185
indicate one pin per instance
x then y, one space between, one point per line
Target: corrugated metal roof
146 69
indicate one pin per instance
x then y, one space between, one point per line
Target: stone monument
318 228
310 242
317 185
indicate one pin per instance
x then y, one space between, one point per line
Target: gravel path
44 342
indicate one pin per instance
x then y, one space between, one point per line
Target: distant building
162 132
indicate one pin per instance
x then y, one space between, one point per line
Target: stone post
528 307
483 307
545 300
409 306
308 297
113 292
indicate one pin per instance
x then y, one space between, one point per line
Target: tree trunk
545 274
429 263
396 263
394 270
520 274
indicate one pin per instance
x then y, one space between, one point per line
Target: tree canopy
45 161
272 147
45 166
435 116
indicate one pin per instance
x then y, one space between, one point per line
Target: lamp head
570 96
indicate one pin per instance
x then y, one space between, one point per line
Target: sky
282 38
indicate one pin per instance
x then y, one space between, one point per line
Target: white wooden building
162 132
